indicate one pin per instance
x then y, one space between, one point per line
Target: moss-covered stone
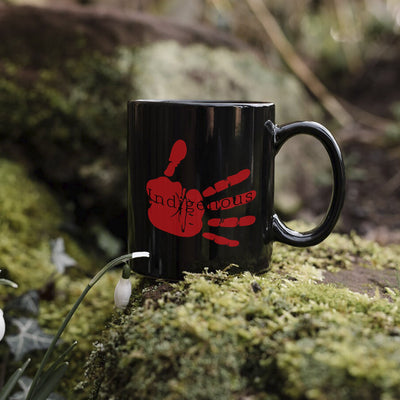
282 335
167 70
29 218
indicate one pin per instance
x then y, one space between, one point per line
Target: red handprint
179 211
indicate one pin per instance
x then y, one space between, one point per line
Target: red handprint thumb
178 153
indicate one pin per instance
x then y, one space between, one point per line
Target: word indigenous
179 201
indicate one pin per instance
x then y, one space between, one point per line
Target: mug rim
207 103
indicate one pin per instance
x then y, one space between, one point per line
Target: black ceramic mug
201 185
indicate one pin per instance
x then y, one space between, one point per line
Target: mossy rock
168 70
63 107
282 335
30 217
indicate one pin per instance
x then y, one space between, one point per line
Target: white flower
122 293
123 289
2 325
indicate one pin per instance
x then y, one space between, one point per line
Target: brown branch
297 65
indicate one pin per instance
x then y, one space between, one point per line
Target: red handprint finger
231 202
178 153
232 222
220 239
225 183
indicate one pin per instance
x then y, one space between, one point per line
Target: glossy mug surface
201 185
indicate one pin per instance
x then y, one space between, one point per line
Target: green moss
279 335
86 325
79 105
337 252
29 218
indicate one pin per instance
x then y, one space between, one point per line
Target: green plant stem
50 350
7 282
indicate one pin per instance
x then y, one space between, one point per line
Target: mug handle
281 134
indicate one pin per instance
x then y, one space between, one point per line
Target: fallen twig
297 65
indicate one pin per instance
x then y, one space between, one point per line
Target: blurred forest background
67 69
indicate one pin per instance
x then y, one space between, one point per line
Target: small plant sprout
123 290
